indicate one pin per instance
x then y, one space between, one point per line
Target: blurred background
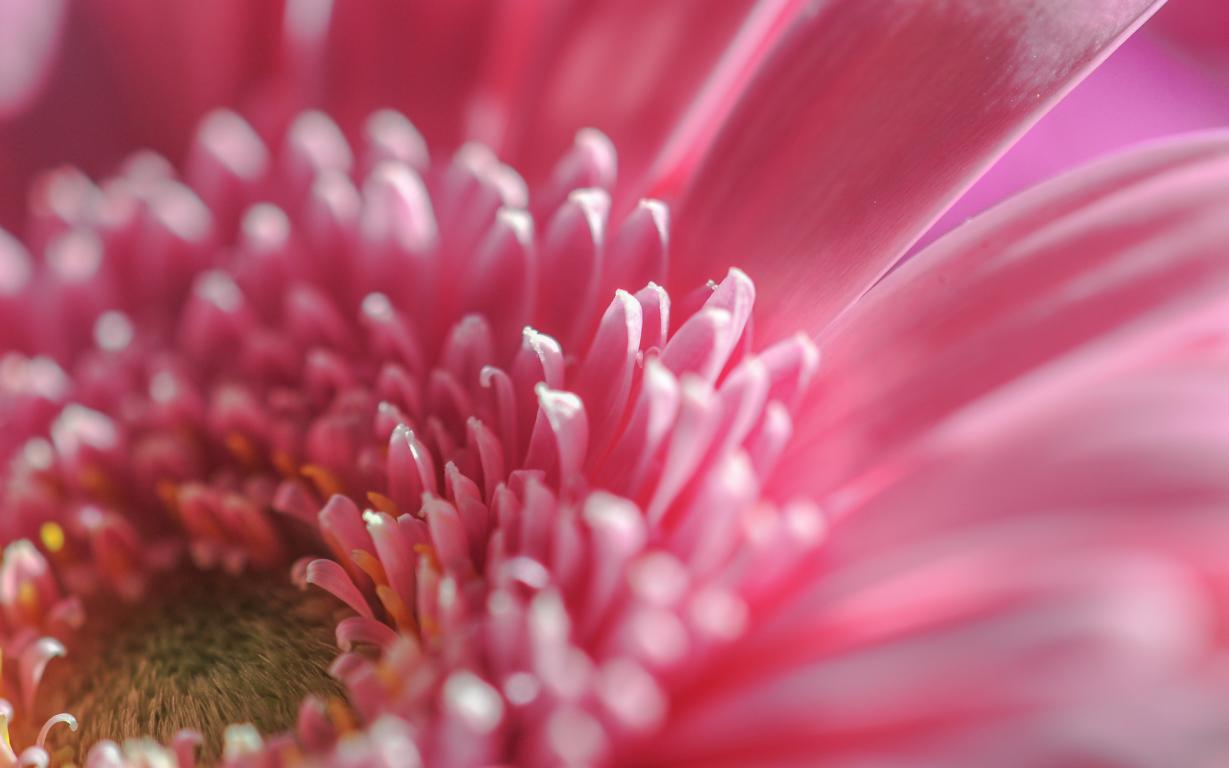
81 86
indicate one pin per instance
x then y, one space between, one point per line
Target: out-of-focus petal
868 120
1023 564
176 61
1119 256
632 70
421 58
1046 588
1199 27
29 38
129 75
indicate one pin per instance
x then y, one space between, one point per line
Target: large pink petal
868 120
632 70
1148 89
1046 588
1119 256
1027 568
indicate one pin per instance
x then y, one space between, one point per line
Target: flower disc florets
471 414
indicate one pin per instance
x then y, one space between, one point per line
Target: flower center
202 652
415 388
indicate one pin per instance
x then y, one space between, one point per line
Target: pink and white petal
1046 587
1125 258
878 116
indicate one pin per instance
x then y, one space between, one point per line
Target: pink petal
226 158
1063 540
618 534
560 438
32 662
388 135
1028 285
411 470
648 428
1148 89
1196 27
636 255
590 163
355 57
655 306
566 71
604 379
394 551
359 629
879 115
501 283
333 579
699 412
571 265
29 42
447 534
699 345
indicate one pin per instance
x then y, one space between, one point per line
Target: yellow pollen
340 715
168 492
242 449
382 503
288 755
52 535
430 628
392 680
27 597
325 481
397 609
427 551
284 463
370 565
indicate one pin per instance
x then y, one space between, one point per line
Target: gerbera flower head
332 442
380 374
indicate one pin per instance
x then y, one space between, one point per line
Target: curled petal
332 578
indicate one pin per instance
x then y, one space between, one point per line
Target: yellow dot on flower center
52 536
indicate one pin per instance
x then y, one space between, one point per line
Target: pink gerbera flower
330 441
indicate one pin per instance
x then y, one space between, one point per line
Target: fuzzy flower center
202 651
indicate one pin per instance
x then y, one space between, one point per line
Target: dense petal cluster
469 413
344 452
